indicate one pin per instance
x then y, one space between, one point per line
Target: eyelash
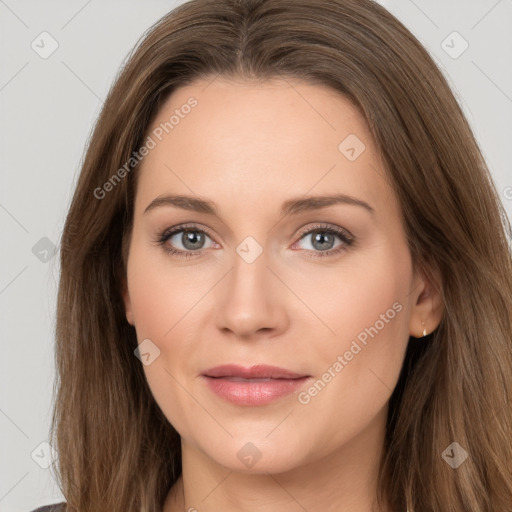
344 235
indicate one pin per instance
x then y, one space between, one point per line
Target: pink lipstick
256 385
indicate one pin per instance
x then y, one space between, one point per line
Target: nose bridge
250 276
250 300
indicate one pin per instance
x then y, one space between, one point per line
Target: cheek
160 304
364 311
158 292
167 299
364 299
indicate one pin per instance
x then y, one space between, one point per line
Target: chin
258 453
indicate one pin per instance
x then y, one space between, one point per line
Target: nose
252 300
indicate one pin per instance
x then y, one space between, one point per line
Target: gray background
48 106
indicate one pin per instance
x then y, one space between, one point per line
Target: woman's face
321 288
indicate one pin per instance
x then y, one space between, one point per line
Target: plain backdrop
48 107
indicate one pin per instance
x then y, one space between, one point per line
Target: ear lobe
428 310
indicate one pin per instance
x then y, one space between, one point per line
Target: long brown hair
116 450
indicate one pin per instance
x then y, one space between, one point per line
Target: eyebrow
289 207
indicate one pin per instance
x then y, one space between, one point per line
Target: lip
256 385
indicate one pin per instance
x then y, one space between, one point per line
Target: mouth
256 385
261 371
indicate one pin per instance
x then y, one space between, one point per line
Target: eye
191 239
323 238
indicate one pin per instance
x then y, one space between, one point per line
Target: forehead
243 141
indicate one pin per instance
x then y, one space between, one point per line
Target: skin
250 146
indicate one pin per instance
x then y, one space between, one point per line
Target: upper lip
260 371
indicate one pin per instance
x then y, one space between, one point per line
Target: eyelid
190 226
324 226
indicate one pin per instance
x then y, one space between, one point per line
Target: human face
261 287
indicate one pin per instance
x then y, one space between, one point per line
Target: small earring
424 330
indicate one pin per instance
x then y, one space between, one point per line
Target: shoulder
56 507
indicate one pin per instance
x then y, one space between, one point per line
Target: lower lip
253 392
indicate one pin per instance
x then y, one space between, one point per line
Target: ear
127 301
427 304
